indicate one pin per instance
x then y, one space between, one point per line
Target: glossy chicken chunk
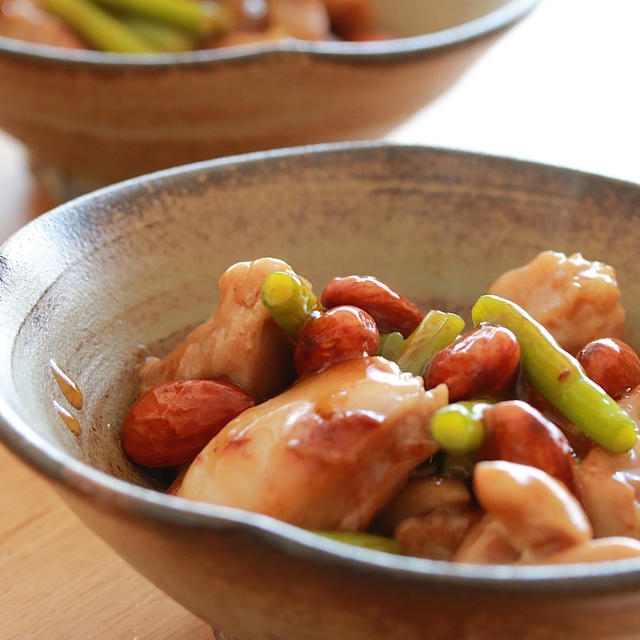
528 511
26 20
326 454
609 485
576 300
239 343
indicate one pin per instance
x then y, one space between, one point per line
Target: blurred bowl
91 118
85 284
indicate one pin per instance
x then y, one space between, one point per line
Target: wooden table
560 87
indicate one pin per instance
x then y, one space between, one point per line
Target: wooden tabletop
560 87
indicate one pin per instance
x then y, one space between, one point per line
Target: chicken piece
26 20
240 38
419 497
487 542
327 453
438 534
599 550
576 300
351 17
608 488
537 513
609 484
249 15
302 19
239 343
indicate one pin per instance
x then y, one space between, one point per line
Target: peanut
338 334
579 441
612 364
482 362
172 422
516 432
391 310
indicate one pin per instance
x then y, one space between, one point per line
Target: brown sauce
72 424
69 388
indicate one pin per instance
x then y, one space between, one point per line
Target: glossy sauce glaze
69 387
72 423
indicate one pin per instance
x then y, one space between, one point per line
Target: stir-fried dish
357 416
156 26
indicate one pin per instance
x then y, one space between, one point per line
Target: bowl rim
83 480
493 21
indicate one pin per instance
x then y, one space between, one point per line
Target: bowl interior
138 263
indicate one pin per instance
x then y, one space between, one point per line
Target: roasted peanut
172 422
391 310
480 363
338 334
516 432
612 364
579 441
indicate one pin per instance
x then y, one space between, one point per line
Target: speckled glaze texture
139 262
97 118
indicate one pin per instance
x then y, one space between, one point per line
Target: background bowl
138 263
91 118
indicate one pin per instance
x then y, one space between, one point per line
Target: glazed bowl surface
137 263
91 118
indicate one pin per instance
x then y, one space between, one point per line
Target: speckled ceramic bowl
90 118
138 263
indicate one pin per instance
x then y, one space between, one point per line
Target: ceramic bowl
89 119
87 283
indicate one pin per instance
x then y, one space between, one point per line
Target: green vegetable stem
458 427
366 540
559 377
200 19
390 345
97 27
160 36
290 301
436 331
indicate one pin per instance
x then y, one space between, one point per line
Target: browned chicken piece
608 487
576 300
238 38
249 14
302 19
600 550
537 514
609 484
25 20
487 542
438 534
327 453
420 496
239 343
351 17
